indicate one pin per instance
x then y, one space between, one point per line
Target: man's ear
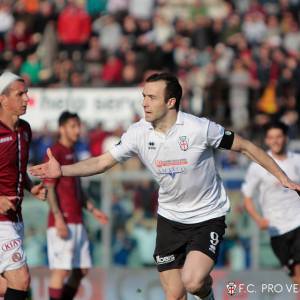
172 102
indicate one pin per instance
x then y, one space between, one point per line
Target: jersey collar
179 120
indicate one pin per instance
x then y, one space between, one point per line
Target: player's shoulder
24 124
190 119
293 155
194 125
139 127
56 149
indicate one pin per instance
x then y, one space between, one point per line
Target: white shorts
70 253
12 254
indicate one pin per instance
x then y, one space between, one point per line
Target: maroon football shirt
14 152
68 189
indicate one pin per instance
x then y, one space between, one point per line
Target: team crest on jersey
183 143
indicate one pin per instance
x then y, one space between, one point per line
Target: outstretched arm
90 166
262 158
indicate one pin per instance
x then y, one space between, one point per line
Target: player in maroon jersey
15 137
68 245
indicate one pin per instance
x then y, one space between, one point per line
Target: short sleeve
215 134
251 182
127 146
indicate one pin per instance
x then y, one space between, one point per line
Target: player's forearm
83 168
90 166
259 156
52 201
250 208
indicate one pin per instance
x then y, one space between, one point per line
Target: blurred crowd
238 60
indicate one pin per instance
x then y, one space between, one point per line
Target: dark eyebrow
149 95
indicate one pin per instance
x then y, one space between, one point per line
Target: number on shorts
214 240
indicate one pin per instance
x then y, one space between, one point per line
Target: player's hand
263 223
50 169
39 191
100 216
286 182
7 203
61 227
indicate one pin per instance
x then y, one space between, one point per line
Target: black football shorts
175 240
287 248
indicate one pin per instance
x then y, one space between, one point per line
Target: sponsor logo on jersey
171 171
11 245
6 139
171 163
165 259
183 143
171 167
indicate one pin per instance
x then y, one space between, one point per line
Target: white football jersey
182 162
280 205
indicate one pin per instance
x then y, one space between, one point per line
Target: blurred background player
15 137
68 244
280 206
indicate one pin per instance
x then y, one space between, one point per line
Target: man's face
16 100
71 130
276 140
154 104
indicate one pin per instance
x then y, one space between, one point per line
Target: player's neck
66 142
9 120
164 124
280 156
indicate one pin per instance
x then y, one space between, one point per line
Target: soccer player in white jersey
280 206
178 149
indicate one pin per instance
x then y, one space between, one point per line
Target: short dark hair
173 87
65 116
276 125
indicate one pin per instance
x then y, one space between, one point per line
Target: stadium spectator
122 247
191 220
68 245
277 203
142 229
31 69
73 27
14 148
109 32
